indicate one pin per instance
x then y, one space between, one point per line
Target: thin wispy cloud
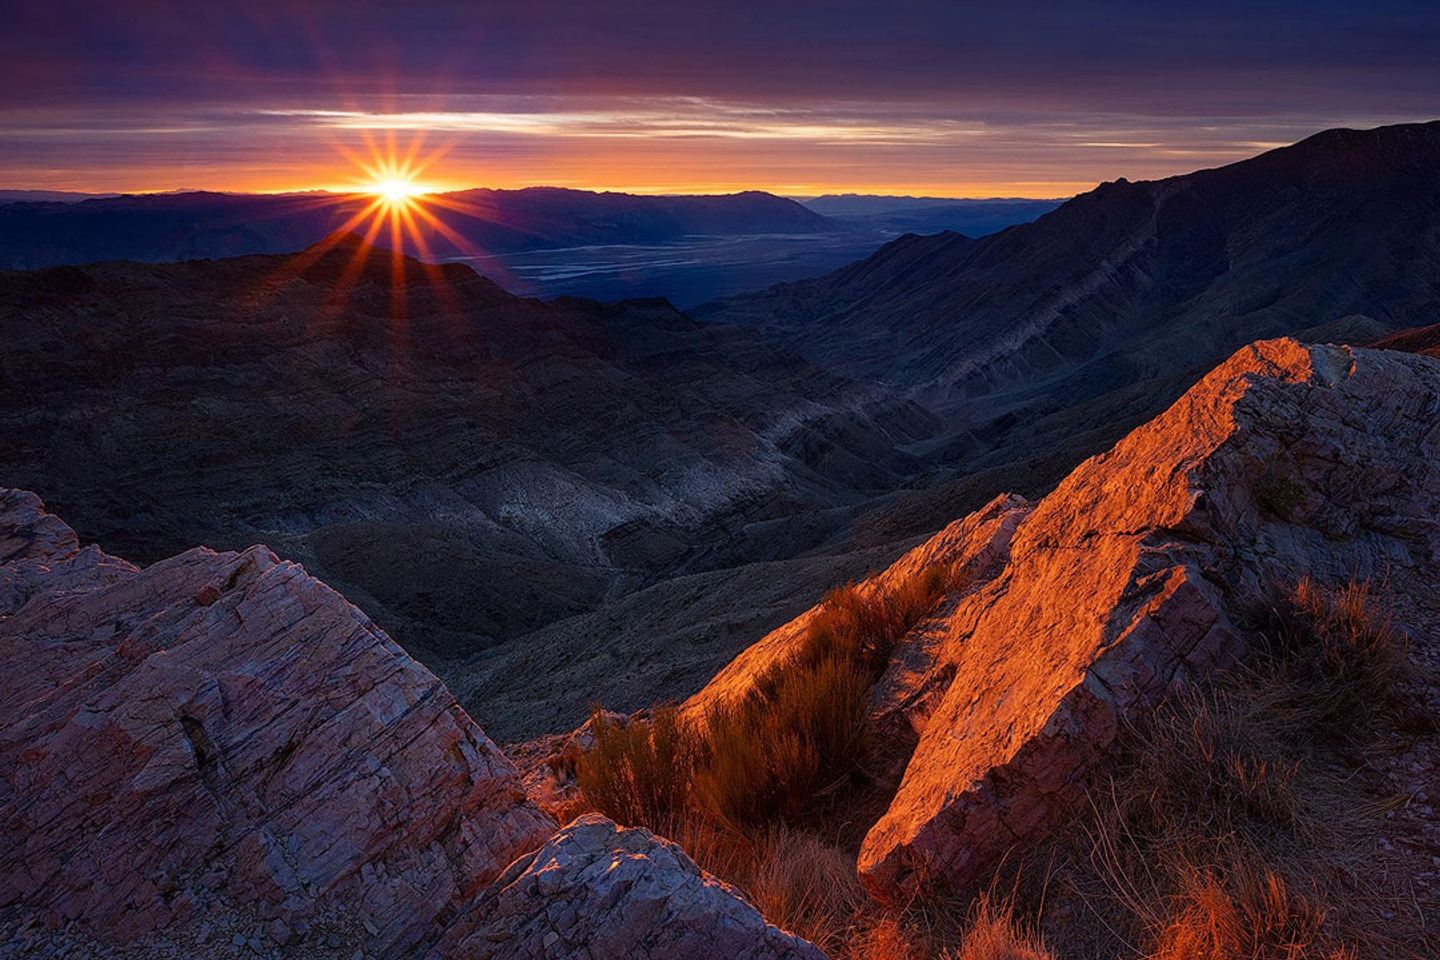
928 97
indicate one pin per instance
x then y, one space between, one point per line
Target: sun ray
387 205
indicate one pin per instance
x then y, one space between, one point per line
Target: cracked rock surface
596 891
222 727
1125 582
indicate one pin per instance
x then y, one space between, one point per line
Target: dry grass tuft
640 773
996 934
795 741
807 887
1341 643
1247 910
1231 828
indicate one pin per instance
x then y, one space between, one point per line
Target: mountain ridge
469 466
174 226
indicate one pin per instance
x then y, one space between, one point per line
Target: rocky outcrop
223 728
975 547
1126 582
596 891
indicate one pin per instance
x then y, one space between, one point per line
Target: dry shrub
1246 911
640 773
862 625
796 738
995 934
794 741
1229 800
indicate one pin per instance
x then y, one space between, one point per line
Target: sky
936 98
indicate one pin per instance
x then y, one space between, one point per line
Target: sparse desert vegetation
1235 824
1239 822
795 740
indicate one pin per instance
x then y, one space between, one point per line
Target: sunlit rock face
222 727
975 547
1074 615
596 891
1127 581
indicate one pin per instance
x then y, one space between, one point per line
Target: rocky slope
598 890
1126 584
220 742
1424 340
1060 335
222 728
466 465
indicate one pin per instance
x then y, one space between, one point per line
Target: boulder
1126 582
223 728
596 891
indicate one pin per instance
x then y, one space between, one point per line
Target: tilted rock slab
596 891
977 546
222 725
1122 584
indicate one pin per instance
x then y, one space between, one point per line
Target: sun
396 190
387 203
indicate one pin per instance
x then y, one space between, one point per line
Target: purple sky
940 98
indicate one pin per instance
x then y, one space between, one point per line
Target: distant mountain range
180 226
541 241
1063 332
50 196
974 218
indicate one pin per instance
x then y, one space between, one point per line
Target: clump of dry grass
995 933
808 887
862 625
640 773
1339 643
1247 910
796 739
1228 830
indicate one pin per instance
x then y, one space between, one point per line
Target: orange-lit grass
1228 828
793 741
1245 909
732 787
996 933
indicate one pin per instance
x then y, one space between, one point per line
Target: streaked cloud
914 96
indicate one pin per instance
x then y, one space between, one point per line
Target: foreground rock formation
1127 582
221 725
597 890
222 735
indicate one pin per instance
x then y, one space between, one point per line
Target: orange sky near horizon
929 97
302 154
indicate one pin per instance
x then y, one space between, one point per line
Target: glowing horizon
943 100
